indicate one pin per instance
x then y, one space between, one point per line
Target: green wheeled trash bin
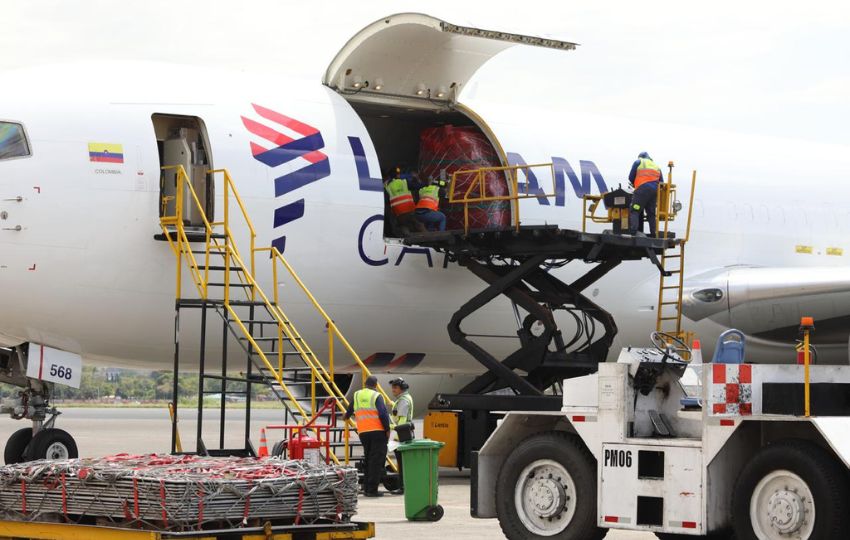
421 479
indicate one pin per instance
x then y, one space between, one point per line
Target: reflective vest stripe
401 200
647 171
402 419
366 411
429 198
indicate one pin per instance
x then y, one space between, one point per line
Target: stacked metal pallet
166 492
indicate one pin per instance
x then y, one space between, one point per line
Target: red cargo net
178 493
451 148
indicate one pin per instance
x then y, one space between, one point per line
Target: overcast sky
770 67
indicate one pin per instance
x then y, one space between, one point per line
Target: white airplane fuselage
84 272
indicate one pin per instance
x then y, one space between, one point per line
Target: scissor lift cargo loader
632 449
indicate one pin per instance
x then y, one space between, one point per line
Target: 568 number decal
61 371
54 365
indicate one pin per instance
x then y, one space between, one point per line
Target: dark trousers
375 451
644 200
433 220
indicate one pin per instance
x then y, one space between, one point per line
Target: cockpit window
13 141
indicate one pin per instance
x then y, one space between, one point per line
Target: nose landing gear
43 440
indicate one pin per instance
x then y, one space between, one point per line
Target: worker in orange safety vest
428 207
373 429
402 204
645 177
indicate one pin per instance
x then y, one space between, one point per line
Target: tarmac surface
103 431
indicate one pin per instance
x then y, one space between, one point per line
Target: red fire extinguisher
303 446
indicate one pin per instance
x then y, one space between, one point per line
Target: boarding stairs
225 278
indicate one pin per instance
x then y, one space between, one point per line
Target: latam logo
294 152
581 184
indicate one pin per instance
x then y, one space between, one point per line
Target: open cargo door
402 75
419 57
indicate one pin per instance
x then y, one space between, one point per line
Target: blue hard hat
644 155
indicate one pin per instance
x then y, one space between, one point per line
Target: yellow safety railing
178 445
173 227
476 191
667 210
591 203
807 324
667 206
325 375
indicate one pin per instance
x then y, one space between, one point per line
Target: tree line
98 384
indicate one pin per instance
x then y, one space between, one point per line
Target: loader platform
562 332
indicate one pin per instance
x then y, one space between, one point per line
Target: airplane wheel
547 489
16 445
790 489
52 444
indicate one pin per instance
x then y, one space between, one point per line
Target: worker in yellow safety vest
373 428
428 207
402 205
402 413
645 177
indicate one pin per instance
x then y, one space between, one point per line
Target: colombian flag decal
106 152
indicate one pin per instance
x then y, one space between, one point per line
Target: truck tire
783 483
547 489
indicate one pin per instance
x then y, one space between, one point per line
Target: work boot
373 494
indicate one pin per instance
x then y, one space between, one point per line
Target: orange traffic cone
264 444
696 352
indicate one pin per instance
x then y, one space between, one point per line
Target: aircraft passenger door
182 140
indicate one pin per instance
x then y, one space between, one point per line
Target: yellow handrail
807 324
177 444
690 207
181 246
512 174
182 183
595 202
333 330
229 186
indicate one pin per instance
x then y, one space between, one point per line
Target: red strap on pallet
162 503
200 507
300 503
247 503
135 498
64 496
23 497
